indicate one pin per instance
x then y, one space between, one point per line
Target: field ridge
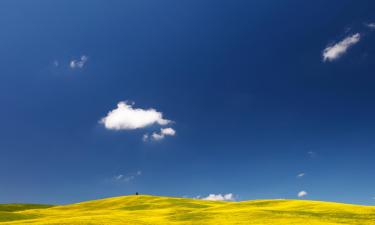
163 210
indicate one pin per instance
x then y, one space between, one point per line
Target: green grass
156 210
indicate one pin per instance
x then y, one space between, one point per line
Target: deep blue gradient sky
243 81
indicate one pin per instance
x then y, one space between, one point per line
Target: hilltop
156 210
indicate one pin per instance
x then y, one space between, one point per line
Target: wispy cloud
219 197
55 63
128 177
126 117
161 135
145 137
78 63
300 175
336 50
118 177
302 194
370 25
311 154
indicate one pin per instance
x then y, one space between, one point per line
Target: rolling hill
155 210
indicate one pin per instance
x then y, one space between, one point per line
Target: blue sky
258 99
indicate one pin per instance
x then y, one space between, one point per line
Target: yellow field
153 210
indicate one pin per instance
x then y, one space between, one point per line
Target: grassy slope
154 210
9 212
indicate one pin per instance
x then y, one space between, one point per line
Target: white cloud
168 131
219 197
301 194
125 117
334 51
300 175
127 178
145 137
118 177
311 154
157 137
370 25
161 135
78 63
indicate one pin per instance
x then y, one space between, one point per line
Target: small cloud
301 194
78 63
300 175
336 50
370 25
125 117
311 154
161 135
127 178
157 137
168 131
145 137
118 177
55 63
219 197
